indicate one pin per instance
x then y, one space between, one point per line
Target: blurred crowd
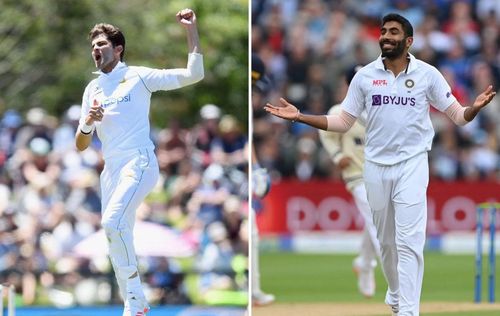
50 212
308 45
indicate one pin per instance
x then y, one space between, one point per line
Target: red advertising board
293 206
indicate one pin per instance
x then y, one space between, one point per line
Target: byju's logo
378 100
110 101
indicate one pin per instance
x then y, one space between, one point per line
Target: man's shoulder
92 82
134 68
92 85
368 69
425 67
140 69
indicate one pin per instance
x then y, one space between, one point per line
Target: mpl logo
109 101
379 82
378 100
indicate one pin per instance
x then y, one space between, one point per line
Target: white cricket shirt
398 125
125 95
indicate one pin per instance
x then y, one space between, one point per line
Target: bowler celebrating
396 90
116 105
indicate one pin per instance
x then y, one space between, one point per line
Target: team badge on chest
409 83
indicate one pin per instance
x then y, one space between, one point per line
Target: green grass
482 313
329 278
310 278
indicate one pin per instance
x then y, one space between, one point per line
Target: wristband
86 129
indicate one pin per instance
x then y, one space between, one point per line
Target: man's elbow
192 78
198 76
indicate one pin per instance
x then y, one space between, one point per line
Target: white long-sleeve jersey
398 125
125 95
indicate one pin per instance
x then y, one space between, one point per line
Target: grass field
327 282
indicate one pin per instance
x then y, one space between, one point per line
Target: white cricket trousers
370 247
397 197
125 182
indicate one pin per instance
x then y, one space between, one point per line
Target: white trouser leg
379 188
122 283
410 203
397 195
124 184
370 247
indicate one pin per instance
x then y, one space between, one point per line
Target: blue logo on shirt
109 101
378 100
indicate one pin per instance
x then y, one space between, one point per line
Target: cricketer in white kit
116 105
396 90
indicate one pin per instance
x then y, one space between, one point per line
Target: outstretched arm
462 115
335 123
481 101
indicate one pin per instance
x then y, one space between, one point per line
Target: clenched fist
186 17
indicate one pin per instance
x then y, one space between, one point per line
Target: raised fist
186 17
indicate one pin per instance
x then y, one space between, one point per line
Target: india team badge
409 83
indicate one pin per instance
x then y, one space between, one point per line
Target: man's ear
409 41
119 49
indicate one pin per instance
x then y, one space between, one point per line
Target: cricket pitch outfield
373 309
324 285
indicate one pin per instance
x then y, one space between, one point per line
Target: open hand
484 98
186 17
286 111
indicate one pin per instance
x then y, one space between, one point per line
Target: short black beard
396 52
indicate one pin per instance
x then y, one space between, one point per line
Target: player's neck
108 68
397 65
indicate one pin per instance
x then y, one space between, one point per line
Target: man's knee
413 241
410 235
110 228
125 272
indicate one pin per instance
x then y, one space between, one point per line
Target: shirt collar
412 65
118 66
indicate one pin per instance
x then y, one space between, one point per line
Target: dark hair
407 28
113 34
